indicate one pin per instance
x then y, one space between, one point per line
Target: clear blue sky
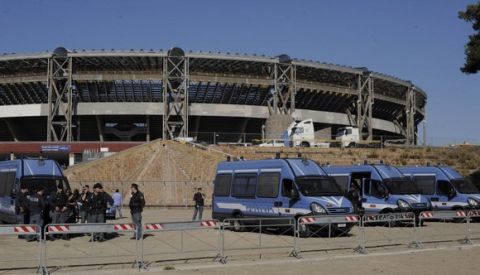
421 41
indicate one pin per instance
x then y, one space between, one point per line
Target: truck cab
380 188
347 136
301 133
275 188
445 187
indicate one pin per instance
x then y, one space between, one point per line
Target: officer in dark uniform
97 206
21 210
36 205
83 202
136 204
355 196
59 204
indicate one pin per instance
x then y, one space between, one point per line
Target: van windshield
465 186
319 186
48 183
401 186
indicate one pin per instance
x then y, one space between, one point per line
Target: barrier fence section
316 233
443 226
33 249
181 240
116 247
241 236
473 233
388 230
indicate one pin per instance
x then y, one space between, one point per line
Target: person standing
199 199
21 205
60 210
71 210
36 205
117 203
82 202
136 204
97 205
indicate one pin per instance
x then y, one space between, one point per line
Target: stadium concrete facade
136 95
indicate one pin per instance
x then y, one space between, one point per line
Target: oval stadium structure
135 95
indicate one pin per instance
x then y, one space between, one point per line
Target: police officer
36 205
21 210
354 195
60 210
97 206
83 201
136 204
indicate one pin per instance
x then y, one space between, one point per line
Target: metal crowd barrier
316 233
442 226
116 251
260 234
473 232
28 248
388 230
182 240
166 241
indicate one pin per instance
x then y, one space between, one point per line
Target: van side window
244 185
349 131
288 188
268 184
426 184
375 188
443 187
7 179
222 185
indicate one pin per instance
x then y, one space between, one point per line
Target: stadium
141 95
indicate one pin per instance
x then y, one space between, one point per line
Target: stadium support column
410 111
281 104
365 104
175 94
60 103
283 92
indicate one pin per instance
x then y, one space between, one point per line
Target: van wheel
237 225
304 144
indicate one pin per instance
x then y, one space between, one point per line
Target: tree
472 49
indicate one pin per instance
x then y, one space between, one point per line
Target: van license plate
341 225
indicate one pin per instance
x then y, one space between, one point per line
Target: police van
275 188
445 187
381 188
34 173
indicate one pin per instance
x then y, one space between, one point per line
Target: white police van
34 173
445 187
382 188
273 188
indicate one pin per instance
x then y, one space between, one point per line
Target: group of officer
36 208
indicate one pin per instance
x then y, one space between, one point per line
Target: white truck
302 133
347 136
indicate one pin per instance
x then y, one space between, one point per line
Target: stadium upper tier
326 92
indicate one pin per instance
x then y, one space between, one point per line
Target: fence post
467 239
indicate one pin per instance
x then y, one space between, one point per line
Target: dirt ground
194 251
